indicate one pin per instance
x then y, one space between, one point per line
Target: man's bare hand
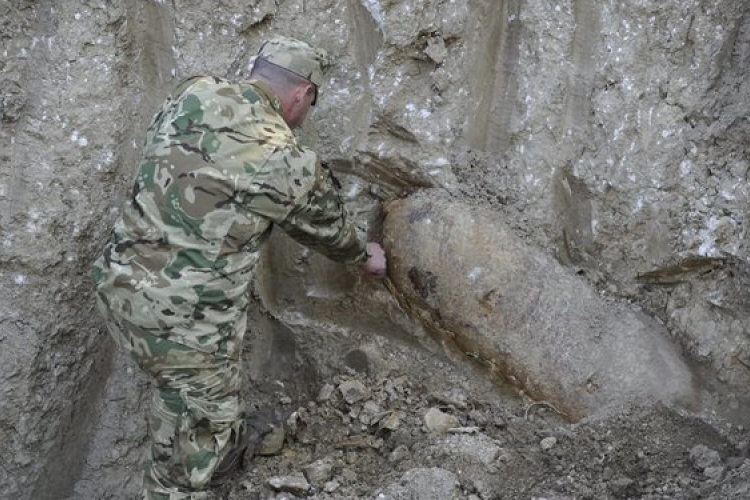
376 263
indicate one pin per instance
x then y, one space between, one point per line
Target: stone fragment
441 79
436 50
620 486
273 442
702 457
353 391
492 297
371 413
12 101
294 422
318 472
396 388
456 398
714 473
548 443
439 422
465 430
296 484
331 486
399 453
479 449
424 484
348 476
356 442
392 420
325 393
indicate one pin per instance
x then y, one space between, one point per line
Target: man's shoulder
208 87
231 102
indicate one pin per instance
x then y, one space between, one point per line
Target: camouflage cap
297 56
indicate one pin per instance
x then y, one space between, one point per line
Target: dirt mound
388 437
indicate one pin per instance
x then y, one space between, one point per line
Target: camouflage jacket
219 168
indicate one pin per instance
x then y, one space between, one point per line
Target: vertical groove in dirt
155 41
581 78
18 185
368 40
144 75
497 74
571 198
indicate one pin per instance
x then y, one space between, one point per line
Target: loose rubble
384 437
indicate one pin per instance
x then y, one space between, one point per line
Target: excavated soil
611 136
393 436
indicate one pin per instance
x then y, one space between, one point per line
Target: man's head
294 71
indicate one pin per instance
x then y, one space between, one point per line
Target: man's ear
303 91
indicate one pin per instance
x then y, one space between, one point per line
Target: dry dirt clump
385 437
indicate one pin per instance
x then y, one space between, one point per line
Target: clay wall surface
610 135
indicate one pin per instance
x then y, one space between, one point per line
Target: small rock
353 391
361 442
436 50
331 486
398 454
479 449
735 462
548 443
714 473
296 484
392 421
439 422
318 472
371 413
349 476
464 430
273 442
294 423
441 79
12 101
456 398
424 484
395 388
325 393
620 486
702 457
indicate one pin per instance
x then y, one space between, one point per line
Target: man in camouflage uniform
220 167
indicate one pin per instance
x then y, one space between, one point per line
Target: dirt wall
611 135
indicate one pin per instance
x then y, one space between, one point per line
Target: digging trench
561 188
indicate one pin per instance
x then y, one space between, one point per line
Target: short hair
282 79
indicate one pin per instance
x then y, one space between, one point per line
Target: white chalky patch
475 273
373 6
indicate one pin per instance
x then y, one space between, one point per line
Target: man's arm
320 221
306 203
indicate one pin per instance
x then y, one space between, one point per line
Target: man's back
219 165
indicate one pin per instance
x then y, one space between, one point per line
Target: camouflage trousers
195 408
